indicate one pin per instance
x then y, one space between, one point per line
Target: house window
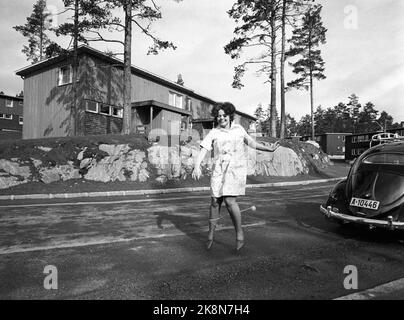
171 99
175 100
189 104
2 115
343 138
92 106
9 103
178 101
6 116
105 109
117 112
20 103
20 120
65 75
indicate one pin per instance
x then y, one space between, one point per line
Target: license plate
363 203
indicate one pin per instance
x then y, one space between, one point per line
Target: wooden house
357 143
159 106
11 116
331 143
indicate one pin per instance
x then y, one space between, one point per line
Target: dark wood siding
331 143
103 83
356 144
46 105
100 81
100 124
17 108
10 135
15 111
143 89
11 124
335 144
201 109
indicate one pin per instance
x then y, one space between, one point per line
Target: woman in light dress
229 174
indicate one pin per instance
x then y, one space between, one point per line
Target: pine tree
291 126
258 28
87 16
262 24
38 23
290 10
263 118
304 42
141 14
353 106
93 16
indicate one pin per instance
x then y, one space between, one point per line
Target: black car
373 192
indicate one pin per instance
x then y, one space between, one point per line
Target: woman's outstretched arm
259 146
197 172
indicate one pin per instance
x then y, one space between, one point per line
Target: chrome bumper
389 223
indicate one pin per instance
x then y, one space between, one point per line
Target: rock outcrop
14 168
121 162
283 162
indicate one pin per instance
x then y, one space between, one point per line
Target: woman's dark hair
227 107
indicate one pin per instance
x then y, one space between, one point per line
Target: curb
153 191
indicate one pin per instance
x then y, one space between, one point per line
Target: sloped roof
84 49
11 97
26 71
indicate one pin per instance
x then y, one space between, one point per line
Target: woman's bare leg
234 210
214 215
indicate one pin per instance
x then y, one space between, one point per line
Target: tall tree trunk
75 114
312 106
41 38
283 118
311 82
127 69
273 72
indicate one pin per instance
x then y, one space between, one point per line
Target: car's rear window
385 158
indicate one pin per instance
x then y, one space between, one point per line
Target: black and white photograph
202 156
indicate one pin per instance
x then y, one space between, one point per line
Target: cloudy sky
363 53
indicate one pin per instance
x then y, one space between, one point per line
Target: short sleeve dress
229 173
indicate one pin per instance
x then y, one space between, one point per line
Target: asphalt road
153 247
